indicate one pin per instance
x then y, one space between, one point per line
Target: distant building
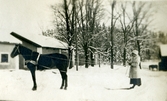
163 55
41 44
7 43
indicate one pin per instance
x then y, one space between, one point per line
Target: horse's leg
62 76
32 70
66 80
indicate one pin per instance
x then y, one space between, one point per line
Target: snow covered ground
92 84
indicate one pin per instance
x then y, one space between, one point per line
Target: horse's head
15 51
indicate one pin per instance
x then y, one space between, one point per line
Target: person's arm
134 61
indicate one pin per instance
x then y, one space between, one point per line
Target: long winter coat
134 68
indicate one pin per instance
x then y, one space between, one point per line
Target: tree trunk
92 59
124 56
86 57
112 34
68 34
70 58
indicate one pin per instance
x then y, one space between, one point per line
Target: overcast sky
33 16
160 18
26 15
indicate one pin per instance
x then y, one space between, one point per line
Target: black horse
34 61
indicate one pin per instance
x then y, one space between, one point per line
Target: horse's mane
25 48
28 53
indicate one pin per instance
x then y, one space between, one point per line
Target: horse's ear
19 44
16 44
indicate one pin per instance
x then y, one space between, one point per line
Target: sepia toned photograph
83 50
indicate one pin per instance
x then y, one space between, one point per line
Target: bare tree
113 21
126 27
141 15
90 15
65 23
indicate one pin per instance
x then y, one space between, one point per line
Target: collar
37 57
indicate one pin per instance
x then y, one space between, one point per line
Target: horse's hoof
65 88
61 87
34 88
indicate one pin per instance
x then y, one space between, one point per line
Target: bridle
17 49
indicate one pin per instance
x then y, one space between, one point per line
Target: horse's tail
69 63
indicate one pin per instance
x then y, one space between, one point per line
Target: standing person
134 69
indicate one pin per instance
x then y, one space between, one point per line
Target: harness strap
62 71
31 61
38 57
44 66
35 63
